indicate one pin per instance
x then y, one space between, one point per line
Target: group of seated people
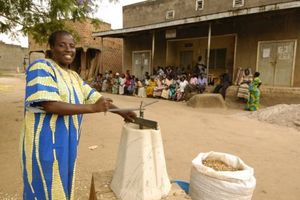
173 84
162 84
167 83
174 88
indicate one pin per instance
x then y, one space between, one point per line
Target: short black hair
53 36
256 74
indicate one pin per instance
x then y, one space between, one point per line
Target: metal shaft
122 109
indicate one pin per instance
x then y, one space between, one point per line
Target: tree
41 17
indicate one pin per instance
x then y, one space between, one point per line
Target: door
186 58
276 62
141 63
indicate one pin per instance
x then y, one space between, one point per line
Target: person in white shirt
122 83
180 91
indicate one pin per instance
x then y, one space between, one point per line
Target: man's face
64 50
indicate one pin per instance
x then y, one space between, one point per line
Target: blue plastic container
185 185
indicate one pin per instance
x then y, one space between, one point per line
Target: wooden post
101 56
153 51
98 54
208 48
83 64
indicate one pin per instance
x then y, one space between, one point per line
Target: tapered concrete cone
140 172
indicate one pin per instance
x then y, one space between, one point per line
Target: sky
108 12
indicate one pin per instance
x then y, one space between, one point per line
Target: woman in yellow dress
56 97
151 85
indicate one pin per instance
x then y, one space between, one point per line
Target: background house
228 34
12 57
93 55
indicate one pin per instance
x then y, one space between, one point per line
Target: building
228 34
13 58
93 55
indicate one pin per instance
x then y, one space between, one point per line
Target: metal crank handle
148 104
123 109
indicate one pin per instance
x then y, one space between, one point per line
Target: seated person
140 89
225 82
131 87
150 87
193 84
97 82
180 91
160 86
166 90
115 84
202 83
122 83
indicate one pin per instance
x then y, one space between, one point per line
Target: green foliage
40 20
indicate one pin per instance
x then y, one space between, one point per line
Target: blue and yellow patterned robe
254 97
49 141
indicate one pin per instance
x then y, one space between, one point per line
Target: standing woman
243 89
56 97
254 97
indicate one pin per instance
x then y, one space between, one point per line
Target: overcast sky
108 12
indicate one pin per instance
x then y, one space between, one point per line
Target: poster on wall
283 52
137 62
146 62
266 53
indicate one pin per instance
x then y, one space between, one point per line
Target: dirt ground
272 150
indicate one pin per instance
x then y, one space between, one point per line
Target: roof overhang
120 33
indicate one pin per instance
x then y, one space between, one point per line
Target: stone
207 101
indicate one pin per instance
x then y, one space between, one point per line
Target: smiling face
63 50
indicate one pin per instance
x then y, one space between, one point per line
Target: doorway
276 62
141 63
184 52
186 59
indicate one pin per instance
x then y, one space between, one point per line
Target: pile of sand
281 114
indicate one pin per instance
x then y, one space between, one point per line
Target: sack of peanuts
221 176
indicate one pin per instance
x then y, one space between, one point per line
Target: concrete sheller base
140 172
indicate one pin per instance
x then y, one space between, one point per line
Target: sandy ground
272 150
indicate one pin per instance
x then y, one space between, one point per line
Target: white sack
209 184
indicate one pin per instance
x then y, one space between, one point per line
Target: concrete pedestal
140 172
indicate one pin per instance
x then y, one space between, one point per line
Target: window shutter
170 14
199 4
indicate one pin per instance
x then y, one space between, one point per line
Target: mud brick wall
12 57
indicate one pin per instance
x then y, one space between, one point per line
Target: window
199 4
170 14
238 3
217 58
